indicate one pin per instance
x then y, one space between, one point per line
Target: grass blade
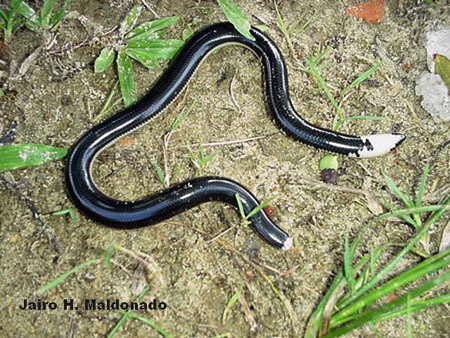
364 117
64 276
361 78
240 205
422 184
260 206
406 200
371 315
429 265
127 314
158 328
26 155
230 303
370 284
415 306
71 212
159 173
403 212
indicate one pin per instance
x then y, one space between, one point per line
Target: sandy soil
55 101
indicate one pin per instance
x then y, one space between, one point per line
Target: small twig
69 46
146 5
233 99
212 239
222 143
165 147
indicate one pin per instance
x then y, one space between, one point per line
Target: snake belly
183 196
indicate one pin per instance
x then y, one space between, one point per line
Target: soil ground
55 102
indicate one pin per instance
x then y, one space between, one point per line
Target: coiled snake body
180 197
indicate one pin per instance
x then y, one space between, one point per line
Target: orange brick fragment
370 11
127 141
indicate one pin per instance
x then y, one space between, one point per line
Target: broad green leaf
26 155
142 56
159 49
443 68
130 20
56 18
104 60
236 17
148 30
126 78
46 11
25 10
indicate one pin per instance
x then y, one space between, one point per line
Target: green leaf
26 11
67 274
187 33
142 56
45 13
159 49
104 60
126 78
108 254
155 49
364 117
130 20
423 181
148 29
361 78
56 18
159 172
262 28
158 328
328 162
240 205
26 155
236 17
3 19
71 212
230 303
443 68
262 205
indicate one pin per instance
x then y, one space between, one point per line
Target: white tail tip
375 145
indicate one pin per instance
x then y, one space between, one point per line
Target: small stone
329 176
